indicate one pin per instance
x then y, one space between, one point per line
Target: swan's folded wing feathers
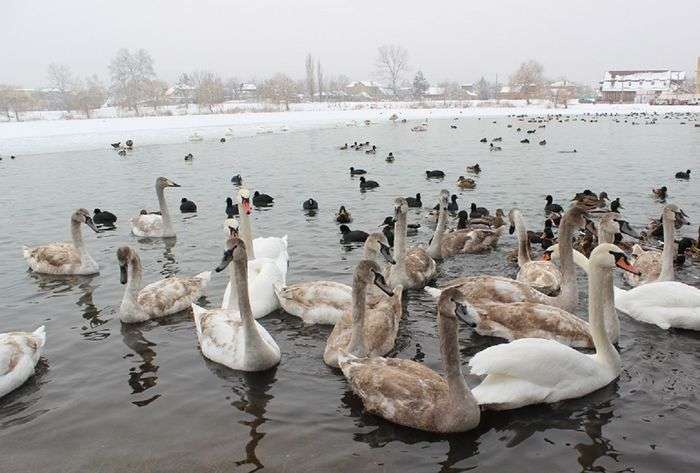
147 224
55 254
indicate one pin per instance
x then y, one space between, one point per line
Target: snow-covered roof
561 83
249 87
433 90
650 79
365 83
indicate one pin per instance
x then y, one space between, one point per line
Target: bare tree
392 64
90 95
15 100
64 84
131 73
310 77
233 85
319 77
530 78
280 89
209 90
420 85
155 93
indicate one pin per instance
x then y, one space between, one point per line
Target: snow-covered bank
35 137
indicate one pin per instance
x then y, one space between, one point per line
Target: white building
640 86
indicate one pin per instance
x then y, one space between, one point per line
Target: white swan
381 320
154 225
540 275
165 297
196 136
19 354
233 337
409 393
325 302
533 370
413 268
655 265
64 258
262 247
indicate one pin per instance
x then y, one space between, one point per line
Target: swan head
400 206
444 198
609 256
578 215
126 256
613 222
513 214
83 216
675 214
368 272
244 200
454 306
163 182
377 243
551 253
235 251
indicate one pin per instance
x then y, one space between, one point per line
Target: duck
460 241
343 216
660 193
476 169
390 158
658 265
380 322
483 140
262 200
453 206
477 212
615 205
498 139
409 393
365 184
237 180
231 208
466 183
231 336
222 140
189 157
154 225
372 150
344 147
494 148
543 142
352 236
496 289
462 220
310 204
513 371
525 141
19 355
357 172
65 258
550 206
683 175
122 152
590 200
103 217
414 202
454 127
540 275
129 144
413 268
325 302
435 174
116 145
159 299
187 206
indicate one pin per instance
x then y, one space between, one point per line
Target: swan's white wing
54 258
147 225
322 302
172 295
665 304
270 247
263 274
19 354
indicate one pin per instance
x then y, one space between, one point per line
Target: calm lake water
112 397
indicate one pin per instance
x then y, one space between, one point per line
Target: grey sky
459 40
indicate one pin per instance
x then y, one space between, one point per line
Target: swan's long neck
77 237
605 350
449 349
370 253
164 212
523 241
667 255
356 346
130 310
246 232
239 277
604 236
400 243
434 250
568 298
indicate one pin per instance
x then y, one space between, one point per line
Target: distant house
365 90
510 92
434 93
639 86
180 93
469 91
249 91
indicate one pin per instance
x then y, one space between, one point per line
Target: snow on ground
57 135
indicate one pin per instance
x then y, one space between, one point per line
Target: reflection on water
14 405
143 376
168 261
250 396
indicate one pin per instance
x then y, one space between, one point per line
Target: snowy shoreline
49 136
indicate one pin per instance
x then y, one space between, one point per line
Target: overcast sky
459 40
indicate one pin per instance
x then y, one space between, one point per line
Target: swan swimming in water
19 354
154 225
158 299
232 337
65 258
534 370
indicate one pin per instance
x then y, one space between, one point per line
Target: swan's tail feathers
197 313
284 242
433 291
26 251
204 276
40 335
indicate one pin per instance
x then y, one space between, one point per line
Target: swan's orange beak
246 206
622 263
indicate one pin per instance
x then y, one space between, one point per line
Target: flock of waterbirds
535 312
